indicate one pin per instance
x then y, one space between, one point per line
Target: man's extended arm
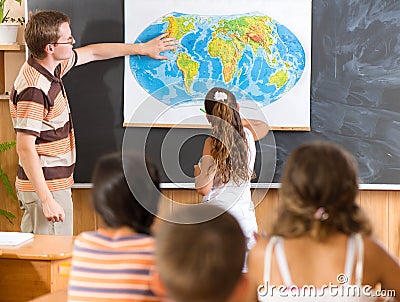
31 164
103 51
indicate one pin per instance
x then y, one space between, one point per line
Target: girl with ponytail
224 173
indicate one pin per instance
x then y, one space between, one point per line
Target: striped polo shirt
39 106
107 268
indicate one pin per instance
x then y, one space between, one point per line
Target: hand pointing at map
154 47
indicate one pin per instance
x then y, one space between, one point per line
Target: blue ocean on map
250 54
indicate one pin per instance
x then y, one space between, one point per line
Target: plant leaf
8 215
7 184
7 146
5 180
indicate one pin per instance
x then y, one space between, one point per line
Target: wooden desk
35 268
58 296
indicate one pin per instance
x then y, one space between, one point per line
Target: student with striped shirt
115 262
42 119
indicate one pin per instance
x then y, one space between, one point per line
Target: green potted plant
9 25
5 180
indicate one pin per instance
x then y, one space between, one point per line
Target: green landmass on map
229 40
189 68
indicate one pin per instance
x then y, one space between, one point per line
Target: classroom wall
383 207
354 91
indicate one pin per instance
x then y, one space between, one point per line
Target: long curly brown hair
229 146
320 175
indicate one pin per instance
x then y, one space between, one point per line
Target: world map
249 53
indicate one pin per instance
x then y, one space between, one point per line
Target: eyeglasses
71 41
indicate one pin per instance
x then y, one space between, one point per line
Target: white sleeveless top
231 193
290 292
236 199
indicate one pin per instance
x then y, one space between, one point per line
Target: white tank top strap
350 259
277 243
282 263
268 259
360 259
354 255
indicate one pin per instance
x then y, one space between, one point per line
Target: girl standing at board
224 172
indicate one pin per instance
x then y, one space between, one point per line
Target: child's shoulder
258 251
374 251
373 246
256 258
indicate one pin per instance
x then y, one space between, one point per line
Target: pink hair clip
321 214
